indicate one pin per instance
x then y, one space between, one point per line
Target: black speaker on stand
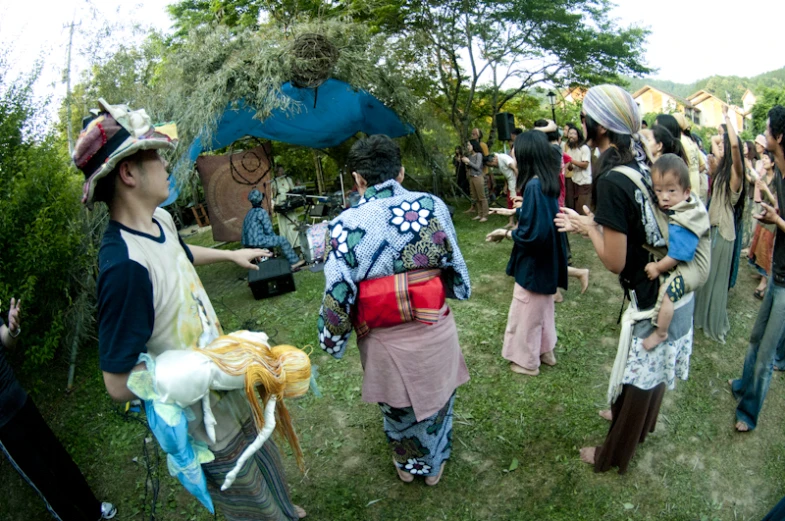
505 123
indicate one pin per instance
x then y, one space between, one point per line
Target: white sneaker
108 510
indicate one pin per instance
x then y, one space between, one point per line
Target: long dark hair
721 181
476 148
752 152
670 144
617 154
536 157
581 141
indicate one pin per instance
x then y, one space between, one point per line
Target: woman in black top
623 225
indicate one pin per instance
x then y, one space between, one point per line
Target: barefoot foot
558 297
548 358
584 278
434 480
299 511
515 368
606 414
587 455
655 339
402 474
742 427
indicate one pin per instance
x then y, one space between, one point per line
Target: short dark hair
516 131
105 187
777 123
541 123
673 164
376 158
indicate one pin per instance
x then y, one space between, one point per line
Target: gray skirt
711 301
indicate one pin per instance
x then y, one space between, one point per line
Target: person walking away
539 257
711 301
150 300
392 260
621 231
750 390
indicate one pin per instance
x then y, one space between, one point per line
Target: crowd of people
667 219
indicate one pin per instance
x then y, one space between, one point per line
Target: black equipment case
273 278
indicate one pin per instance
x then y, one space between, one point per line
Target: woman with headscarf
625 223
726 205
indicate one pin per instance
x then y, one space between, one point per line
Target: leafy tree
760 112
40 224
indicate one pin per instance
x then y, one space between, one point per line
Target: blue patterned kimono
391 230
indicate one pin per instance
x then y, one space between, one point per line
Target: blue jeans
769 328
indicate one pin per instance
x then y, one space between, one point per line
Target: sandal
759 294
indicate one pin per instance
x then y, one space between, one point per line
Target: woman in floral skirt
392 259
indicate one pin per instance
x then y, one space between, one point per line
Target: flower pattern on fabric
337 241
393 413
390 231
663 364
407 449
417 467
420 255
410 216
329 342
421 447
436 426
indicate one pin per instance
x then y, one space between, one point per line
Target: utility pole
69 125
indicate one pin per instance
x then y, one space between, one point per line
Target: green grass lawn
693 468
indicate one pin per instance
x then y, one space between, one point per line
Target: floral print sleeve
335 325
455 273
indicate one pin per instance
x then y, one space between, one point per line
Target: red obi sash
388 301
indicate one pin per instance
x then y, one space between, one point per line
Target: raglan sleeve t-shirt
126 314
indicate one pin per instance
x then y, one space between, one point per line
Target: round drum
314 237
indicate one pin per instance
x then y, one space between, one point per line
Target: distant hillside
717 85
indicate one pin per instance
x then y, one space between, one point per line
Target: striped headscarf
613 108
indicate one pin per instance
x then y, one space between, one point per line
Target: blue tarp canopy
327 117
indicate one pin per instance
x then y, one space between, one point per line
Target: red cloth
396 299
565 161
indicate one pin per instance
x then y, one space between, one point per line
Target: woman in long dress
727 200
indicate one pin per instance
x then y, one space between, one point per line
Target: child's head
670 177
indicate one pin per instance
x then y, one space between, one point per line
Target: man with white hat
150 299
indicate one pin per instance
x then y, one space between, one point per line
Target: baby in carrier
685 266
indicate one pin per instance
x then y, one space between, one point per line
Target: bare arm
117 385
9 333
611 247
737 171
242 257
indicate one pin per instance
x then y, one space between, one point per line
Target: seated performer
258 230
391 261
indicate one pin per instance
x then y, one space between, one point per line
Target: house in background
710 106
651 99
573 94
702 108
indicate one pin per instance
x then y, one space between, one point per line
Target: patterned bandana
613 108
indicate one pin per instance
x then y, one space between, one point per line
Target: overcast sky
690 39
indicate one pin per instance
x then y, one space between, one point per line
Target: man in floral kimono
392 259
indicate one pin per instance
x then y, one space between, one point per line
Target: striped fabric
259 493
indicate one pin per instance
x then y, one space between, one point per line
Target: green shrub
41 224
